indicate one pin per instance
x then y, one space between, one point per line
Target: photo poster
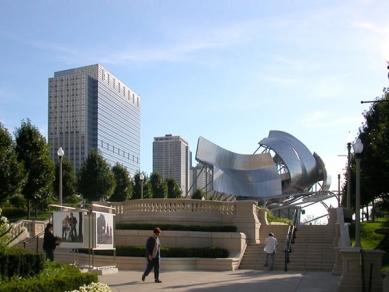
69 228
104 230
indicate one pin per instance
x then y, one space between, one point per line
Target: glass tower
90 108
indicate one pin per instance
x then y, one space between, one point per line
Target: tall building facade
171 158
90 108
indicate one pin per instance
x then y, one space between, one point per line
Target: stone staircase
31 244
313 249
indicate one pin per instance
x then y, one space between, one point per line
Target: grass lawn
372 240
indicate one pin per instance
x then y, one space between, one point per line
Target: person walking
153 258
270 250
49 242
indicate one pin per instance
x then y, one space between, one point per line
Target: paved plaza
237 281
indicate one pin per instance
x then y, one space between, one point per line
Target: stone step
312 250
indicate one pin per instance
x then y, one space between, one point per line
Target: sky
229 71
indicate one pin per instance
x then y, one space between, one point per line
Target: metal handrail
32 238
290 237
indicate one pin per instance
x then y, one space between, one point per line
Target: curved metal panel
211 154
257 175
322 173
245 183
239 174
299 161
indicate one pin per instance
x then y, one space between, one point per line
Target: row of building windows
106 77
117 150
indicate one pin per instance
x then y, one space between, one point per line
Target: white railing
174 206
20 231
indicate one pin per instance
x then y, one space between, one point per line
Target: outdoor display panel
103 231
70 227
81 229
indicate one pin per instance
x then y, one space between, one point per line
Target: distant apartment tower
171 158
90 108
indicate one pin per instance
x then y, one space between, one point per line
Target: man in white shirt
270 249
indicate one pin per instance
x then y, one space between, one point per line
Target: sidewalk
237 281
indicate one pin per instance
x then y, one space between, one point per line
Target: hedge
175 227
176 252
11 212
17 262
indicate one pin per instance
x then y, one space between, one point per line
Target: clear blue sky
229 71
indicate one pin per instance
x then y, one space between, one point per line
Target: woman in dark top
49 242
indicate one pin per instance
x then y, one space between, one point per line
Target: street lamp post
60 153
358 148
349 139
387 67
141 177
338 189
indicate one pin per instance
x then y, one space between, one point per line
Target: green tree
158 186
69 182
198 195
95 180
123 189
11 171
17 201
374 134
138 187
33 151
173 189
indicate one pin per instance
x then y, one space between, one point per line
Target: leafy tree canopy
198 195
11 171
33 151
95 179
374 134
123 189
174 189
158 186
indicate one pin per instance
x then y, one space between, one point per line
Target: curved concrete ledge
234 242
139 263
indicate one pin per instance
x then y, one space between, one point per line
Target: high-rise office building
90 108
171 158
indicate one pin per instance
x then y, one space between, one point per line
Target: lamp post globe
60 154
141 177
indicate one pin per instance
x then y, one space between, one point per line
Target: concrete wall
139 263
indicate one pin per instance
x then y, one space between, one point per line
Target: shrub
272 218
55 277
11 212
94 287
